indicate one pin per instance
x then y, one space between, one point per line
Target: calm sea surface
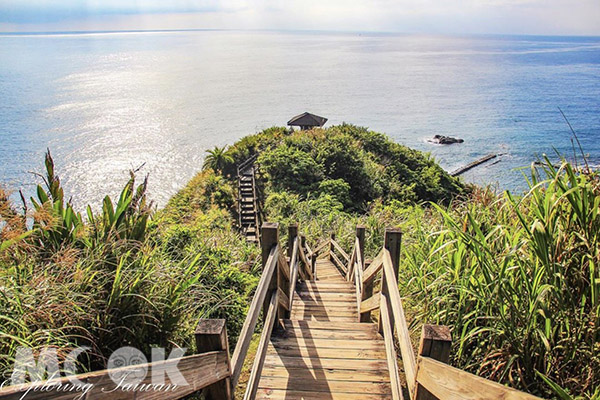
105 103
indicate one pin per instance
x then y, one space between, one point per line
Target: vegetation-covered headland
516 278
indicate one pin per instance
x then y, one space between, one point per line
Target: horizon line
326 31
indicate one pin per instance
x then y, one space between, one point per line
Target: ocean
107 102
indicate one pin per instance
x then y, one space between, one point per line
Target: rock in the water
440 139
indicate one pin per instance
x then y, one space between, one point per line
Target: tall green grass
518 281
124 276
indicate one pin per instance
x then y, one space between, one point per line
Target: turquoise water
107 102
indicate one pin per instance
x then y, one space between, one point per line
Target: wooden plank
317 385
353 326
329 304
324 318
211 335
351 263
326 286
333 307
357 289
325 312
283 361
449 383
338 263
370 304
200 371
241 348
303 258
283 394
283 300
284 267
340 250
346 295
327 374
321 247
335 343
390 351
351 354
436 341
406 350
327 334
374 268
294 272
261 352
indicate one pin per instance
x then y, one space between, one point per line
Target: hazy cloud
443 16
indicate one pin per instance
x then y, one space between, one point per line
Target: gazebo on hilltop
307 121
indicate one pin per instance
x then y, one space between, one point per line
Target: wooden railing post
211 335
436 341
292 233
368 287
392 242
269 237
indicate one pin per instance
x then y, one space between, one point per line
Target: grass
517 280
125 277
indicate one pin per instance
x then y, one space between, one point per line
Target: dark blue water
105 103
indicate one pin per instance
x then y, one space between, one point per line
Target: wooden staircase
324 352
317 340
248 201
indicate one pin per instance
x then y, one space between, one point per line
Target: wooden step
279 394
352 354
276 361
326 334
335 343
322 385
353 326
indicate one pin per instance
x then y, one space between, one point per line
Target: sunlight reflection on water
105 104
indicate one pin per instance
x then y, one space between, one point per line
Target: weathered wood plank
282 394
406 349
328 334
340 250
351 354
261 352
241 348
318 385
338 263
283 361
294 272
370 304
200 371
449 383
283 300
353 326
328 374
374 268
334 343
390 351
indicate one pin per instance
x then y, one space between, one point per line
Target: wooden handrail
449 383
294 270
241 348
390 351
200 371
303 257
340 250
406 349
375 266
261 352
320 247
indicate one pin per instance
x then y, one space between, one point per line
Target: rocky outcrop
439 139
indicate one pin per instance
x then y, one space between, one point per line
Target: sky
535 17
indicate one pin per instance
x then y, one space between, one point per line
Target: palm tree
217 159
